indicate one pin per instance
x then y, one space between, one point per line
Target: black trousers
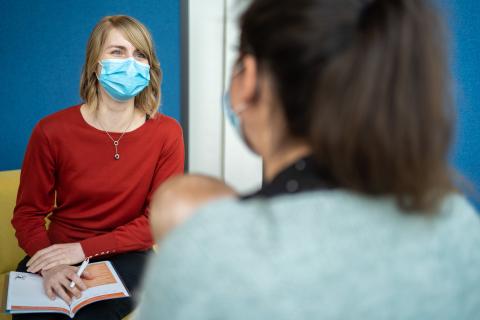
129 266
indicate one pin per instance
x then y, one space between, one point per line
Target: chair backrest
10 252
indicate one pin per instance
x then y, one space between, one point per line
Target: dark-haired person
94 166
348 104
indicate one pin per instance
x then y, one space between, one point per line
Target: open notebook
26 293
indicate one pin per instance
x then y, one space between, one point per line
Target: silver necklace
116 156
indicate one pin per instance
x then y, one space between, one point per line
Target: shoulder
223 219
56 122
329 212
190 262
60 116
166 131
227 239
209 220
166 125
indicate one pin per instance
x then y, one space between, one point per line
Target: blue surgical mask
123 79
234 119
231 115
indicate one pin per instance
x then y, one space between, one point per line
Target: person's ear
249 79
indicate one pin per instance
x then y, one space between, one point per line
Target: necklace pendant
116 156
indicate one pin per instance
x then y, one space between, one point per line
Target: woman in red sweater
94 166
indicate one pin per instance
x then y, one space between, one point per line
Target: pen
80 271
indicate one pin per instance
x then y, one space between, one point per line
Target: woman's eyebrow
117 46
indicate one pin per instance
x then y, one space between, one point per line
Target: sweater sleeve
192 260
36 194
136 234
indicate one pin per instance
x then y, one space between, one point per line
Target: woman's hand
56 282
55 255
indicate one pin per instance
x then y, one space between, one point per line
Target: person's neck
114 115
284 157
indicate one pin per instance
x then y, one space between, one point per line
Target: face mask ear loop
96 74
237 70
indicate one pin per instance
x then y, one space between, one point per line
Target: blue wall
43 46
42 50
464 21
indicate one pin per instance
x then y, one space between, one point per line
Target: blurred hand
55 255
56 282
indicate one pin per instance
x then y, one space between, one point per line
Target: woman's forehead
116 38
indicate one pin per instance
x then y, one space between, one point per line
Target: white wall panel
214 147
206 33
243 169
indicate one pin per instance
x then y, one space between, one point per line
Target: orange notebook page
105 285
27 293
101 275
53 309
97 298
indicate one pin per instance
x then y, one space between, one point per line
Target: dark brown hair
366 83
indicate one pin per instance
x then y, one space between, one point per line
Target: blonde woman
94 166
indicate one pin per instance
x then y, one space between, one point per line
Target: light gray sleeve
180 279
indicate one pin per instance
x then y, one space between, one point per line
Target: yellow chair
10 252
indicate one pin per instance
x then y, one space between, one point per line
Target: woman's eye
141 55
116 52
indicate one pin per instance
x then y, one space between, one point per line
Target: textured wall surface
464 20
42 52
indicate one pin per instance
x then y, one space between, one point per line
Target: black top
303 175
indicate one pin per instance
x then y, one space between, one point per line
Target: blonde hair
137 34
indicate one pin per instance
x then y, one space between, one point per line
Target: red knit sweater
69 170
